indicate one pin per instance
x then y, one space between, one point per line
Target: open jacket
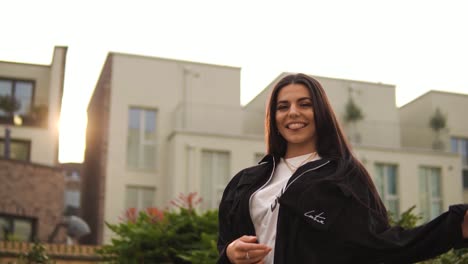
321 221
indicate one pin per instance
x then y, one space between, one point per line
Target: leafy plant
37 255
437 121
9 104
407 219
180 235
353 112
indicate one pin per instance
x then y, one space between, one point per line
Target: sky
415 45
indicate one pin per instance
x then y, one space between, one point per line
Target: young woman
311 201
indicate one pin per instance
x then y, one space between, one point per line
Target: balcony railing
207 118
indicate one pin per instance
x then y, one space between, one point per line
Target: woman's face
295 119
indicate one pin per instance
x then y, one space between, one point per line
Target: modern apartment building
159 127
31 186
416 129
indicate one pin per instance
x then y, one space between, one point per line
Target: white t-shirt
264 204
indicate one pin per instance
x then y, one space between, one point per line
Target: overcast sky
415 45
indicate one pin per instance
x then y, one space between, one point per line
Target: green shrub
181 235
37 255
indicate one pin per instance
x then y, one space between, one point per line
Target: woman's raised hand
246 250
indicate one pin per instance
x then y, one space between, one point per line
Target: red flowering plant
178 234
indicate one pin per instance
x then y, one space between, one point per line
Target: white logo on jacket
317 217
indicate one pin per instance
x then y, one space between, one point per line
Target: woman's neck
292 152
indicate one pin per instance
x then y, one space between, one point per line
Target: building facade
418 132
160 127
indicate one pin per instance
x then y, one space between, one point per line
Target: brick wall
33 190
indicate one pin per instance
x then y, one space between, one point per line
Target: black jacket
321 221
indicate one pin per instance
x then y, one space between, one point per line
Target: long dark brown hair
331 142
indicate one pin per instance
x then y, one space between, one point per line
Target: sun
72 134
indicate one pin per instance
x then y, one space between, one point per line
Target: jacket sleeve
377 243
398 245
225 232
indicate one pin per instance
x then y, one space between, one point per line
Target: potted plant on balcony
437 123
353 114
9 105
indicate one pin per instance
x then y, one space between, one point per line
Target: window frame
212 202
140 190
32 220
13 91
142 141
459 145
430 200
18 141
386 197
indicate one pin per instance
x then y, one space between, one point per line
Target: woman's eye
281 107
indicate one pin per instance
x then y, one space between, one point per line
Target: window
141 141
465 179
430 194
17 228
19 149
215 174
460 145
139 197
387 185
21 90
72 198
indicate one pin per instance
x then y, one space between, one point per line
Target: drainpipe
6 145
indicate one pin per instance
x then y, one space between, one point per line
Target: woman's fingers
246 250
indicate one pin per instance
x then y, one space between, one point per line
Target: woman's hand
465 225
246 250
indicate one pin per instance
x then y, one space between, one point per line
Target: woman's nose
293 111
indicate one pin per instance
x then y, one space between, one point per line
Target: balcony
36 118
208 118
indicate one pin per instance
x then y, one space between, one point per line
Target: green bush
37 255
181 235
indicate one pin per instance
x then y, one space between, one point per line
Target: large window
460 145
141 141
21 90
72 201
17 228
387 184
430 192
215 174
139 197
19 149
